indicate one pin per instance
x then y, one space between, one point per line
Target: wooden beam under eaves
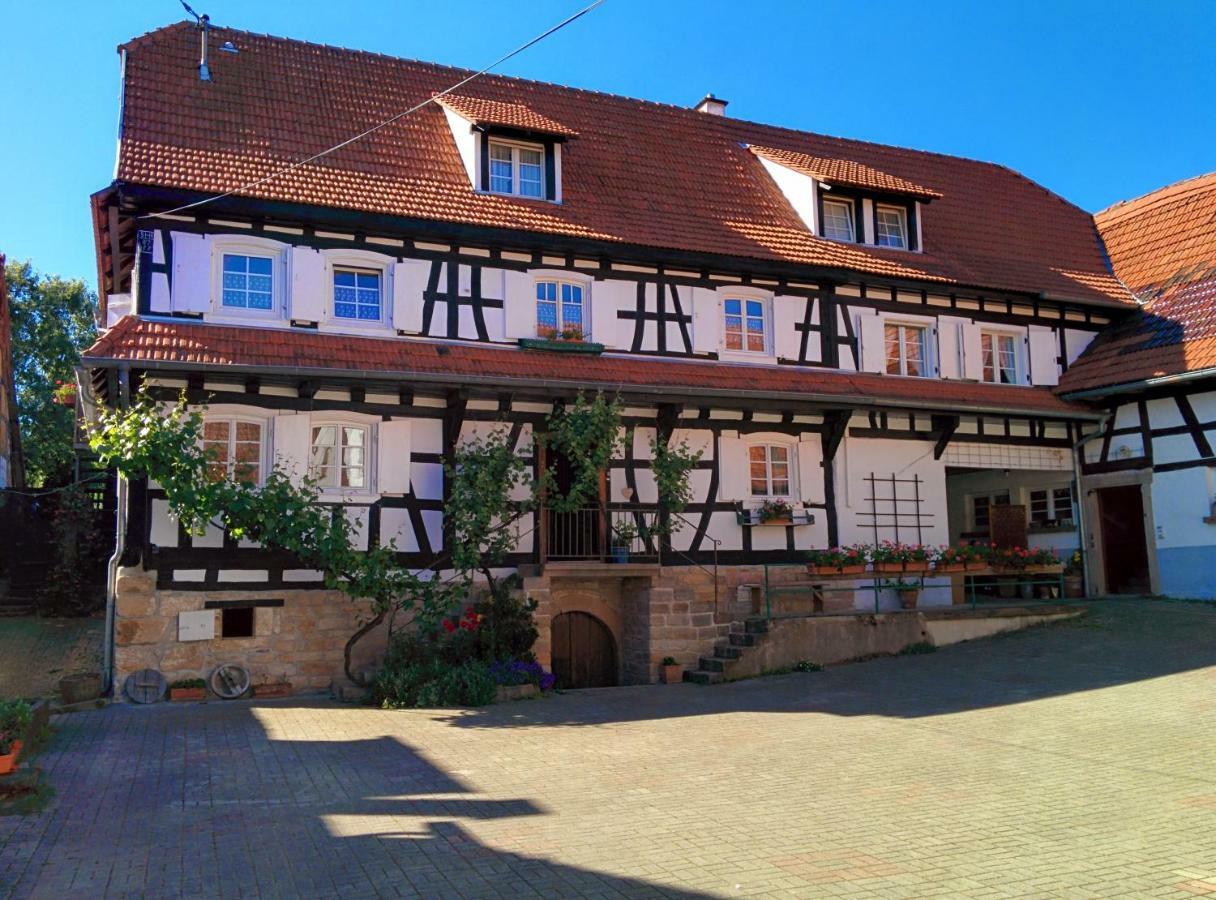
944 427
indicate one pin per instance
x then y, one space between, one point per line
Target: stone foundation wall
301 642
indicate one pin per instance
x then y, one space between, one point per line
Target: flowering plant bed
891 557
1021 559
837 561
569 340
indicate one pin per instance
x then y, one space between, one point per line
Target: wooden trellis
902 515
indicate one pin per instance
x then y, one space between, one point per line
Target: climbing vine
672 464
588 434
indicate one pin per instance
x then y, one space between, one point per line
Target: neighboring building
1150 477
871 333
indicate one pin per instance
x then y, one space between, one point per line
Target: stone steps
715 669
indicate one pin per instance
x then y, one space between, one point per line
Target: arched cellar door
584 652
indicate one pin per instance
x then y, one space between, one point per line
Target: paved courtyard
1074 760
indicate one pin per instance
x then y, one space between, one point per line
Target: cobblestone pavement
35 653
1072 760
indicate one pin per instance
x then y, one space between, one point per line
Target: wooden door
1124 551
584 653
576 534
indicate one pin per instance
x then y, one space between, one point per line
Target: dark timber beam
835 424
944 427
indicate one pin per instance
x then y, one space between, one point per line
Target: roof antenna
204 23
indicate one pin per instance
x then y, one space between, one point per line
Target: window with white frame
338 456
770 470
838 220
745 324
1000 357
248 282
891 226
1051 506
234 449
560 309
907 349
358 294
517 169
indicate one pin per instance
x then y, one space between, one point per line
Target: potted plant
188 689
775 512
908 592
673 672
1043 558
949 559
1074 578
624 532
16 717
916 559
65 393
974 556
891 558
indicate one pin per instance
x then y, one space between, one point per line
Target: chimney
204 70
711 105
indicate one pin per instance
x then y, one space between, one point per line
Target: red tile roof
639 173
1163 246
190 344
511 115
844 172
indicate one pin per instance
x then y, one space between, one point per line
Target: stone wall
301 642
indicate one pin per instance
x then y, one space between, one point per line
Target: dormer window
838 220
517 169
891 227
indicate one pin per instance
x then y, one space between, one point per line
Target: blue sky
1099 101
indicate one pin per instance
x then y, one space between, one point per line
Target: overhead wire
257 182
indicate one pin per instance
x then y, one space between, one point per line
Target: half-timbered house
871 333
1149 474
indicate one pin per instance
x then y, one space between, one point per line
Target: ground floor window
234 449
770 470
338 456
1051 506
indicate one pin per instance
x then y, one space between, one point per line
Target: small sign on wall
196 626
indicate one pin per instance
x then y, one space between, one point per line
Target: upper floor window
906 349
234 449
891 227
357 294
838 220
248 282
560 309
1051 506
1000 357
338 456
744 325
769 469
517 169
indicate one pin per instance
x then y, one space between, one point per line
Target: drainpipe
120 546
1077 452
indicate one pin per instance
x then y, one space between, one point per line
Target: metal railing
594 533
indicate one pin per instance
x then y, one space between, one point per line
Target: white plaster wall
1181 501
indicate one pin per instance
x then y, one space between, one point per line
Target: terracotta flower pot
782 522
812 569
945 567
673 674
854 569
8 762
181 694
889 568
1074 586
907 599
916 567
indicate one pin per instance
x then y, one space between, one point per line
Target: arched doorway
584 653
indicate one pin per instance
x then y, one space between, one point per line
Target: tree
52 321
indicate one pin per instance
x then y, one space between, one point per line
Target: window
838 220
1051 507
982 505
248 282
234 449
357 294
770 470
559 307
338 457
516 169
236 622
891 227
906 349
743 324
1000 356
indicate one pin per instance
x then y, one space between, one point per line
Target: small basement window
236 622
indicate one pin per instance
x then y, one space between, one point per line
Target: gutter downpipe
120 546
1077 450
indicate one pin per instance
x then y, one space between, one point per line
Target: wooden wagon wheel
230 681
145 686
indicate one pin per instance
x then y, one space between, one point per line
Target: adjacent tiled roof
510 115
844 172
639 173
1163 246
159 342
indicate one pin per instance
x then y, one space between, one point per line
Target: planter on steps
673 674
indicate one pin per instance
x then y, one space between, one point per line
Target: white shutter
706 321
519 306
393 456
732 469
191 273
1044 369
291 441
950 346
603 313
787 313
810 469
308 288
973 352
409 285
873 348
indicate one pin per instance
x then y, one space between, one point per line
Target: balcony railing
594 534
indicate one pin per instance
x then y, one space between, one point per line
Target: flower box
276 689
889 568
945 568
182 694
560 346
857 569
916 567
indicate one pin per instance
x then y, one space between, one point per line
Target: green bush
434 682
15 720
918 648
